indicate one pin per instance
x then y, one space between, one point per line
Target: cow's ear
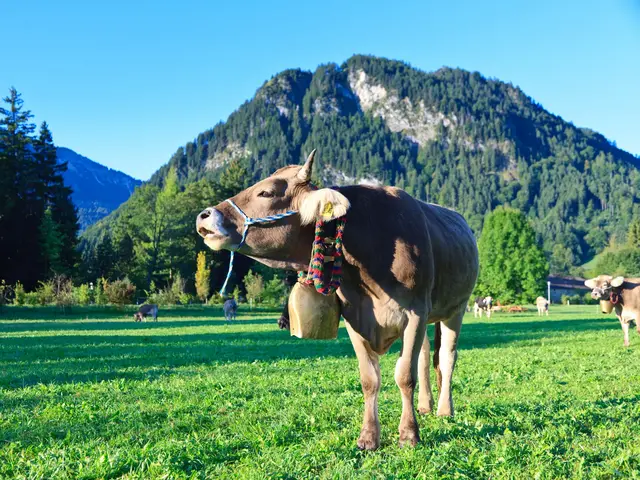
591 283
324 204
617 282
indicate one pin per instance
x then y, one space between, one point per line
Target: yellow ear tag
327 211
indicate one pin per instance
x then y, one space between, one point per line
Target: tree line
38 221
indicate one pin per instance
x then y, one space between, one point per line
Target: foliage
513 267
624 261
82 294
119 292
100 295
20 294
633 235
202 277
254 285
38 222
172 294
275 292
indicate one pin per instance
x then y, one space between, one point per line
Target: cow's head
289 188
602 286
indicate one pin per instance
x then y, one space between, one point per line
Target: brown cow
406 263
624 293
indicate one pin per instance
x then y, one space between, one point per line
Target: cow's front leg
450 330
406 376
625 331
425 395
370 380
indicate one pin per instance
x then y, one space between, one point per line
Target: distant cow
543 306
230 308
482 305
623 293
146 310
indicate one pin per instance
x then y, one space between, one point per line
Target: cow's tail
437 341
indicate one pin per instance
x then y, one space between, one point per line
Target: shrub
46 293
172 294
82 294
32 298
588 300
100 295
20 294
63 291
119 292
254 285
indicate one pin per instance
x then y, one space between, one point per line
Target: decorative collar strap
615 297
248 221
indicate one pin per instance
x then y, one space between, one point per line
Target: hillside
97 190
451 137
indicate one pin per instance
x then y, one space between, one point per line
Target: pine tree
51 241
18 227
202 277
633 236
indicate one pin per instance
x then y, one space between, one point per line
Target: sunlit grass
91 394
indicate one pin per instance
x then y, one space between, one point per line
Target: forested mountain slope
451 137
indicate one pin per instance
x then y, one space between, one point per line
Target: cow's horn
305 172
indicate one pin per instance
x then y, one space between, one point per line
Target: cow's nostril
205 214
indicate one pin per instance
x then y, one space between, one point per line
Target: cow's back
407 248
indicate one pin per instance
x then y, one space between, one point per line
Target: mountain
451 137
97 190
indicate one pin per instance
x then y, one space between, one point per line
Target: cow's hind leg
450 330
425 395
406 375
370 379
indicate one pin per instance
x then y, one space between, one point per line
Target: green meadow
90 395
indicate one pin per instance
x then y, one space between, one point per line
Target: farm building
565 285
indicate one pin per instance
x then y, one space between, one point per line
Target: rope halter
315 273
248 221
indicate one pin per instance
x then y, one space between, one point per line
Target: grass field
94 395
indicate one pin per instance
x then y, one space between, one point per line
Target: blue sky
126 83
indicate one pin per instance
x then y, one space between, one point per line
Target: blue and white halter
248 221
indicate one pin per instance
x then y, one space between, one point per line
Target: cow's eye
266 194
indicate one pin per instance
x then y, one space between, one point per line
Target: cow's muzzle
210 226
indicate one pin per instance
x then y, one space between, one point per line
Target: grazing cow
146 310
482 305
230 308
624 294
406 264
543 306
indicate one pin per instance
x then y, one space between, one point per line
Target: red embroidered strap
315 274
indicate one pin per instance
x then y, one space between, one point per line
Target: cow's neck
296 259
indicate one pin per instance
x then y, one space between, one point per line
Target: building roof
573 283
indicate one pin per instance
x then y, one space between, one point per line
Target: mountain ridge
452 137
97 190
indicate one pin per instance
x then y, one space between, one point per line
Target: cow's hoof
409 437
425 410
446 411
369 440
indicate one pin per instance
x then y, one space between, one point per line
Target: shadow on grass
150 350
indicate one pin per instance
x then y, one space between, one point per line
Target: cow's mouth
205 232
